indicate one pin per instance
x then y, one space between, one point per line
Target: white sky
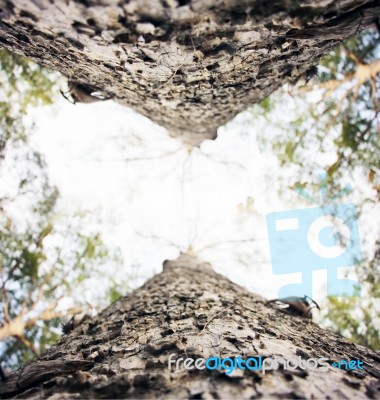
153 208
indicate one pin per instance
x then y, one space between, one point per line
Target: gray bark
190 65
191 311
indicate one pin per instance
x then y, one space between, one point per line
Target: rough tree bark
190 65
191 311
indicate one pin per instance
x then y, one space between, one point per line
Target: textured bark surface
191 311
189 65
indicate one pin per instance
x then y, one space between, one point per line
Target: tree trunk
190 65
190 311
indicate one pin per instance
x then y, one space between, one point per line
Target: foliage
44 273
334 125
337 114
48 258
358 318
23 84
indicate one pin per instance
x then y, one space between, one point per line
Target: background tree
46 256
335 127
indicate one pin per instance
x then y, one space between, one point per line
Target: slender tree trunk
190 311
190 65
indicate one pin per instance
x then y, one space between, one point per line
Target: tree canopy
336 128
45 253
